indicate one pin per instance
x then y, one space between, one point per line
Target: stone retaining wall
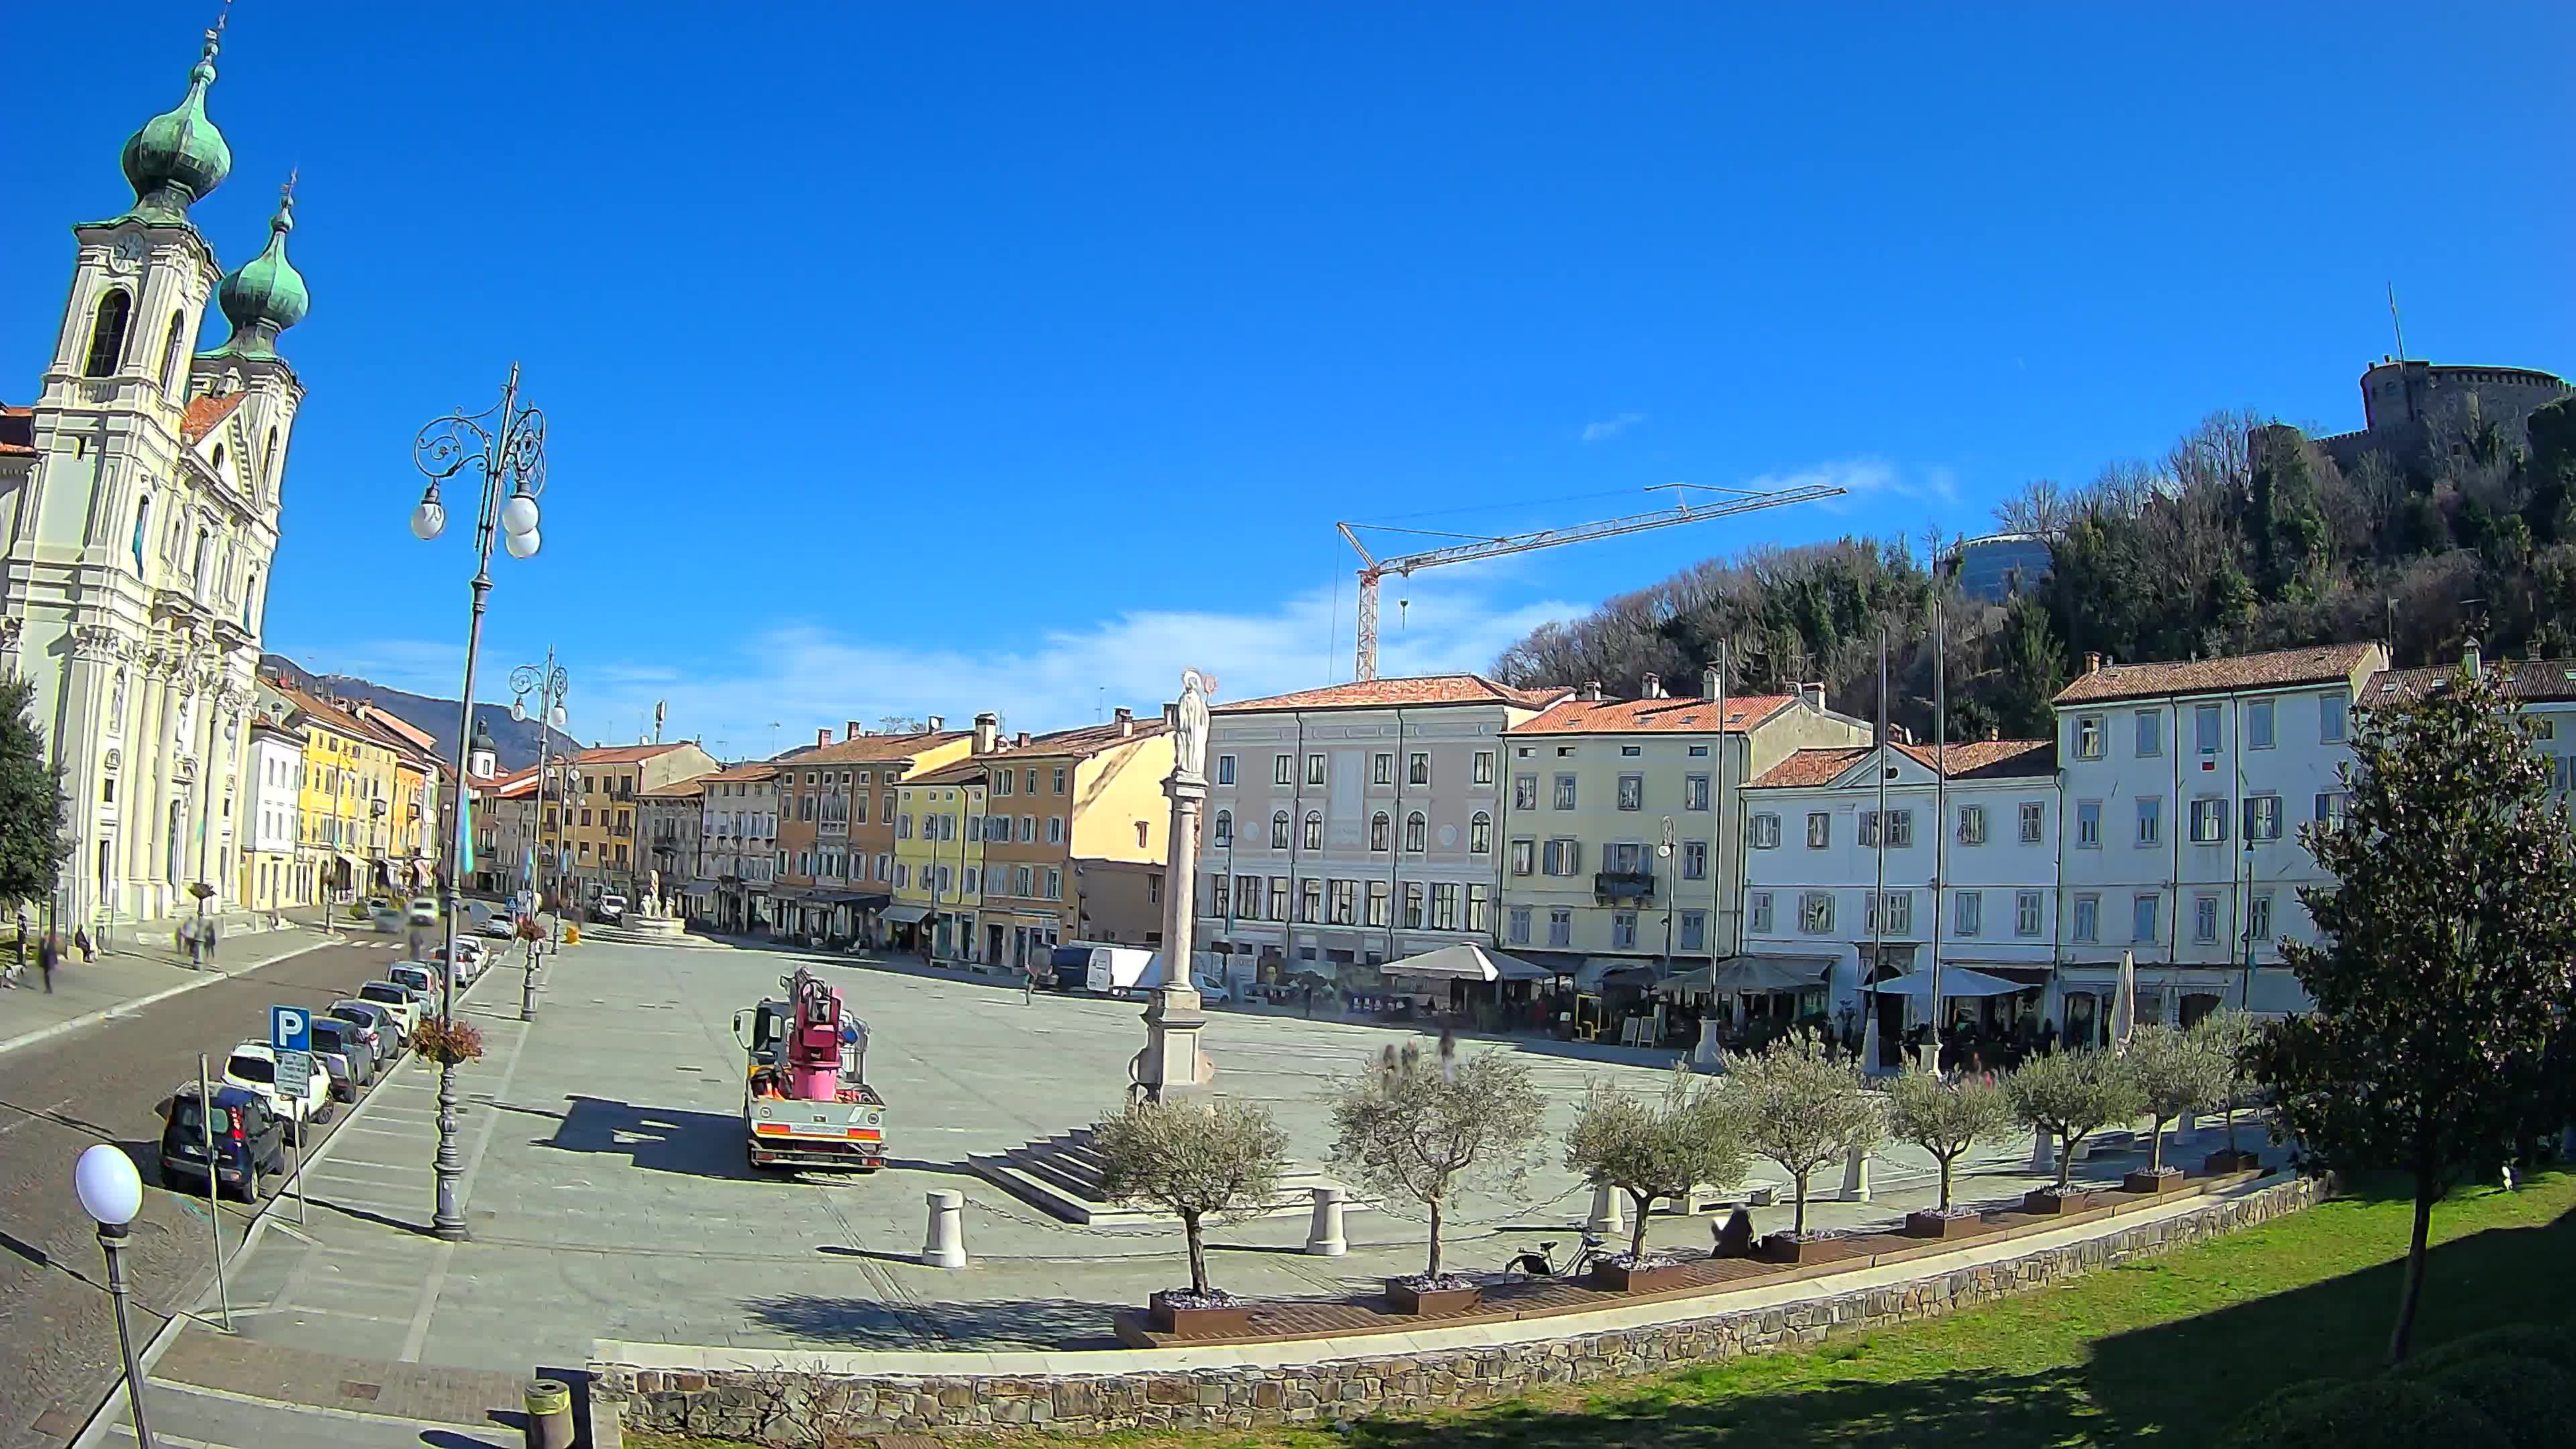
780 1407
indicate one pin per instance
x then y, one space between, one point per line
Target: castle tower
139 498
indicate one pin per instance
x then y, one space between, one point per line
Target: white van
1100 970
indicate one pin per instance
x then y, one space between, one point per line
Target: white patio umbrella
1955 981
1465 962
2124 1004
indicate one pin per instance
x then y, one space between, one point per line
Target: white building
1342 822
139 495
275 816
1817 855
739 839
2184 789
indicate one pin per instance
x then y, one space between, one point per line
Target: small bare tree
2174 1072
2074 1095
1194 1159
1947 1118
1802 1109
1432 1128
1655 1150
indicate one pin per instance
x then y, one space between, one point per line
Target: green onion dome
179 156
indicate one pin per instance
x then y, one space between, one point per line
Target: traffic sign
290 1036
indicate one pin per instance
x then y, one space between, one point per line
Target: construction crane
1471 547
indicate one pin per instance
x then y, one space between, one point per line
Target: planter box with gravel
1448 1293
2048 1202
1619 1274
1188 1315
1956 1223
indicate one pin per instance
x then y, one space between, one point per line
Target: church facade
139 497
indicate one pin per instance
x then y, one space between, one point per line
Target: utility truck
806 1102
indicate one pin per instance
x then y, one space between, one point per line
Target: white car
384 918
253 1067
612 909
423 911
420 980
471 959
398 1002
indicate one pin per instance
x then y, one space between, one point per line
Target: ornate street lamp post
549 684
507 446
111 1192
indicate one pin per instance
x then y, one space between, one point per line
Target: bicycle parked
1540 1262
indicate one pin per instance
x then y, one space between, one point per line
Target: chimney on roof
988 729
1021 740
1708 682
850 730
1654 687
2092 661
1126 721
934 724
822 737
2469 658
1590 693
1904 736
1813 694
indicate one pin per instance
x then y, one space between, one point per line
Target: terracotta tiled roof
17 433
204 413
624 754
2526 680
1811 767
1684 715
330 716
693 786
1080 743
516 785
2281 668
1384 693
867 748
756 770
968 771
1970 760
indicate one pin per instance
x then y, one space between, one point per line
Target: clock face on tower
129 251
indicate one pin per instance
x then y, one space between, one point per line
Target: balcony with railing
1624 885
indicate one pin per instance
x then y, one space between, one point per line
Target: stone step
1082 1184
1294 1197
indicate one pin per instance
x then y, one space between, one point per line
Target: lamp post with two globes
111 1192
507 445
548 683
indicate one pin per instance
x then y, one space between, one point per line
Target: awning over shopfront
1601 971
1466 961
906 915
867 902
1956 981
1737 975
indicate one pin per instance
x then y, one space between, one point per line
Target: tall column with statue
1172 1064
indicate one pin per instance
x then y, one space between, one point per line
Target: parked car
498 928
253 1067
398 1002
249 1139
330 1034
472 957
380 1028
612 908
420 980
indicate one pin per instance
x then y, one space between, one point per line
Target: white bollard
2186 1125
1856 1175
945 1247
2043 1154
1609 1213
1324 1236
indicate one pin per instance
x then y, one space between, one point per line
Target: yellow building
597 824
939 856
345 798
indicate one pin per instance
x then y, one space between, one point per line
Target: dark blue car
248 1140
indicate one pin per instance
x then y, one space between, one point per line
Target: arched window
1224 827
219 458
268 464
1314 831
1279 831
107 332
170 352
1381 832
250 608
142 527
1480 833
1415 830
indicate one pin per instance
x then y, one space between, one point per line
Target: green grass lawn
2161 1351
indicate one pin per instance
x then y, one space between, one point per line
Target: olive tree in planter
2174 1072
2071 1095
1946 1119
1195 1159
1654 1150
1431 1129
1802 1109
2231 1034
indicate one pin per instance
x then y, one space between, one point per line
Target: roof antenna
2394 325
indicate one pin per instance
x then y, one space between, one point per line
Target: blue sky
934 359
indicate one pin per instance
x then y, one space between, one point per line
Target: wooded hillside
2243 536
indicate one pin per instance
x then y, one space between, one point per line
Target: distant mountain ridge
513 741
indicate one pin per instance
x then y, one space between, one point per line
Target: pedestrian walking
1029 986
214 933
187 941
48 956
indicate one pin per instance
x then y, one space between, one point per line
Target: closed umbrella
2124 1004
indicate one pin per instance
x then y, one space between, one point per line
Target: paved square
609 1196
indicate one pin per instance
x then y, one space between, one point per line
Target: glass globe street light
111 1192
506 445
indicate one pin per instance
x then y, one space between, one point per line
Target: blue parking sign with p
290 1029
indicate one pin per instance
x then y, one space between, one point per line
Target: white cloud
804 676
1867 479
1603 431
